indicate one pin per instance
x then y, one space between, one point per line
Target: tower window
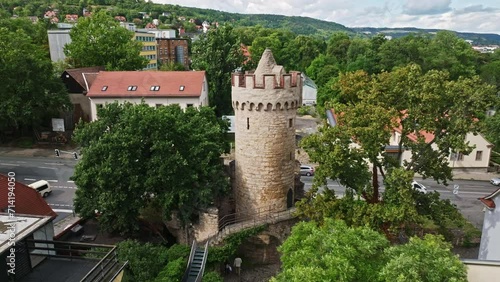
248 123
290 122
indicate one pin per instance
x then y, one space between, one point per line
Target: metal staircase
196 263
229 224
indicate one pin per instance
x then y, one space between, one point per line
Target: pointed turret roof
266 63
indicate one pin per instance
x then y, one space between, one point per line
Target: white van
42 187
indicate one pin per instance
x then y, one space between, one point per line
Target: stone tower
265 107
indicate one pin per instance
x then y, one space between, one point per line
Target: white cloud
426 7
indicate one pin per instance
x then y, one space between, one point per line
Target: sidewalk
36 152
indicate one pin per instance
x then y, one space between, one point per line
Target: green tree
492 124
301 51
30 94
335 252
369 108
446 51
218 53
402 51
145 260
168 160
338 46
429 259
99 40
331 252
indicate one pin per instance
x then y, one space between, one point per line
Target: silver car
306 170
495 181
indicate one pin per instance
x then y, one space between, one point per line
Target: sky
481 16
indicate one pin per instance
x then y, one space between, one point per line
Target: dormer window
155 88
104 88
132 88
181 88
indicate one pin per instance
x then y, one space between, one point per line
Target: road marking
64 187
63 210
53 164
20 162
60 205
52 180
71 181
7 164
30 179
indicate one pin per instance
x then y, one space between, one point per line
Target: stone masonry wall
264 146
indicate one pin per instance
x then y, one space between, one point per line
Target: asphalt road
466 199
56 171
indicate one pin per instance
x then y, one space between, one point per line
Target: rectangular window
290 122
248 123
189 105
479 155
460 157
158 105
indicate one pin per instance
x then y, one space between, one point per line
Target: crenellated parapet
269 81
276 92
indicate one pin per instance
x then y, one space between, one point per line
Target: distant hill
476 38
136 9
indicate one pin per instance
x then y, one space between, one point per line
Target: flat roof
18 227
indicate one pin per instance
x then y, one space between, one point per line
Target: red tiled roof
82 75
169 83
27 200
488 200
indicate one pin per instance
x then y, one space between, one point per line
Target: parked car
306 170
419 187
495 181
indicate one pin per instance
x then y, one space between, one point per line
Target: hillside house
156 88
477 161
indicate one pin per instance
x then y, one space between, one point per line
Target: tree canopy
30 92
218 52
368 110
99 40
335 252
168 160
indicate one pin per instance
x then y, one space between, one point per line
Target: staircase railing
190 260
243 220
203 263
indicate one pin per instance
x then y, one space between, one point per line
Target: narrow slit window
290 122
248 123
